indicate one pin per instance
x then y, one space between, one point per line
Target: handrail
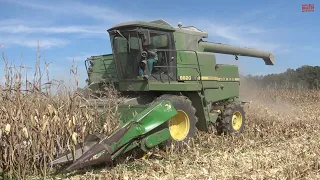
85 64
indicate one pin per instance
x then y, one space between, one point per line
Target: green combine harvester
174 88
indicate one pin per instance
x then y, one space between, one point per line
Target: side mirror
146 39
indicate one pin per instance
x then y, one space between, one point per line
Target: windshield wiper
124 38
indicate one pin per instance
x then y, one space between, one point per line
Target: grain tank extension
174 88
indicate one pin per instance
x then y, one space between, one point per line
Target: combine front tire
232 120
182 127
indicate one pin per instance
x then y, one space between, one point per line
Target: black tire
225 125
180 103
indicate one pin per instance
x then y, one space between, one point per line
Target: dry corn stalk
36 126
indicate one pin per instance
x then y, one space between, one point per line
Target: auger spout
268 57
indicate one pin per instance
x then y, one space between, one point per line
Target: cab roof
161 25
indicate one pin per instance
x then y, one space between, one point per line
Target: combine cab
174 84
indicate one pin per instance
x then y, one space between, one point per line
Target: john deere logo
168 107
96 156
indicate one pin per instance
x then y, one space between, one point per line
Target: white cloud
32 42
257 44
99 12
311 48
222 31
46 43
8 22
80 57
18 28
240 34
62 74
31 4
244 36
77 9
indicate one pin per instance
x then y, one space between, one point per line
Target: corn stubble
281 140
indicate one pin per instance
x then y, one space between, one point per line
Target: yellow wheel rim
237 120
179 126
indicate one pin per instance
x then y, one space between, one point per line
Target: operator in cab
152 58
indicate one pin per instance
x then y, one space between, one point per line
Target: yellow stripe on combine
206 78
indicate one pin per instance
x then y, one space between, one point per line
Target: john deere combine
174 86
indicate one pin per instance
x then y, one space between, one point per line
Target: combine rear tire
232 121
182 127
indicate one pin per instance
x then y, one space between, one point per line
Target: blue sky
70 30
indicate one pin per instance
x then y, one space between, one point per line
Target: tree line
303 77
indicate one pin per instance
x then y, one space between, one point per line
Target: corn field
41 118
281 139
